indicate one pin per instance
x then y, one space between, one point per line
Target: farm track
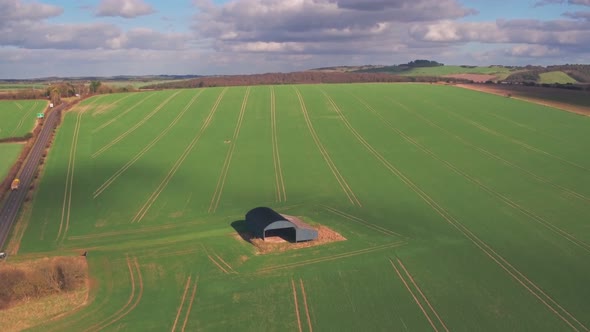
281 193
143 151
23 118
131 303
145 208
488 153
113 120
362 222
228 157
134 127
508 138
504 199
297 314
518 276
343 184
151 229
64 222
333 257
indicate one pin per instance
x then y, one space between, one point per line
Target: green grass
450 70
21 86
9 153
18 117
483 199
556 77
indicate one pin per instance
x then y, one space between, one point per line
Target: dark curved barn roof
261 219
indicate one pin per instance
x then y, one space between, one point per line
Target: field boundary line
147 205
422 294
413 296
134 127
486 152
482 245
281 194
296 305
363 222
305 304
23 118
183 298
190 304
67 198
506 137
228 157
501 197
111 121
148 147
343 184
333 257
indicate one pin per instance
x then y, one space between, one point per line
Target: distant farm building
264 222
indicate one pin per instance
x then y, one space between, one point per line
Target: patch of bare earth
527 94
477 78
278 244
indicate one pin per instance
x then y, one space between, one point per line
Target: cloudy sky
41 38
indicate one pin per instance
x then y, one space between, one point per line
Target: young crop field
461 211
9 153
556 77
17 117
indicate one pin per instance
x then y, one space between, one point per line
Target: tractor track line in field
305 304
163 133
482 245
362 221
333 257
414 296
421 294
296 305
134 127
506 137
228 157
23 118
64 222
486 152
504 199
343 184
190 304
111 121
183 298
133 231
20 107
144 209
224 262
216 263
280 182
111 104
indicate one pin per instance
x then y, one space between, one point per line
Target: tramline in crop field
461 210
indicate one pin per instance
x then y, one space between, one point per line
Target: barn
265 222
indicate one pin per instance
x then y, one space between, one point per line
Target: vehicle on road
15 184
2 255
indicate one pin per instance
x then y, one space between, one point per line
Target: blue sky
115 37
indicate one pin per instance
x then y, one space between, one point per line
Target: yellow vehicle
15 184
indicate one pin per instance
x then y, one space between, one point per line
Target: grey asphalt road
15 199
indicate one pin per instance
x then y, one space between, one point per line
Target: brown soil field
551 97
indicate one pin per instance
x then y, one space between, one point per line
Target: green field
9 153
461 210
556 77
18 117
501 72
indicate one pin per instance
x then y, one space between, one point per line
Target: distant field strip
508 138
280 182
497 258
182 301
125 167
228 158
333 257
482 150
477 182
132 302
133 128
343 184
64 222
106 124
24 118
362 222
144 209
418 302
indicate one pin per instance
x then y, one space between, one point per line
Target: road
15 199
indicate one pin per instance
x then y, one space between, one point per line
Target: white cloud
124 8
